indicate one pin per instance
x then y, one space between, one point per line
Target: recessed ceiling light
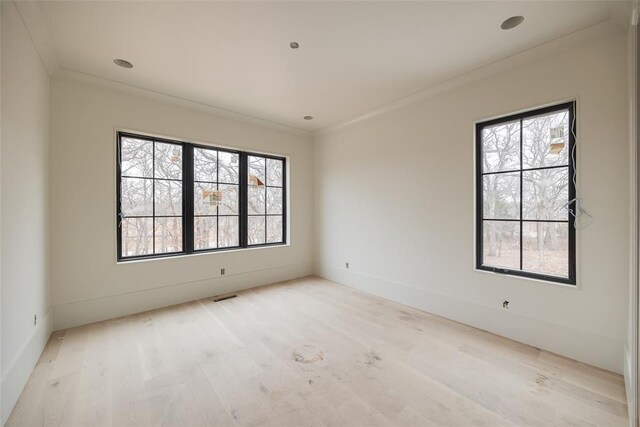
308 117
512 22
294 45
123 63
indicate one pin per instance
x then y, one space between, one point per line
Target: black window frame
266 187
188 181
479 174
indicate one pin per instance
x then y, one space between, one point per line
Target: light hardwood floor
307 352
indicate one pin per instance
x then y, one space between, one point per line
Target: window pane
137 236
136 197
168 198
229 203
501 244
501 147
205 198
168 162
256 169
274 172
205 233
501 196
274 200
256 200
545 140
274 229
229 231
229 164
256 230
152 198
136 157
546 248
168 235
546 193
205 164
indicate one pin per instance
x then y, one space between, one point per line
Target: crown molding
592 33
33 19
65 74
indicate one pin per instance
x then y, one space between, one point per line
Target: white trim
631 346
34 21
77 313
17 374
64 74
594 32
629 388
530 279
222 250
32 15
554 337
1 181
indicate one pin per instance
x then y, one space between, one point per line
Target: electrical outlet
35 319
347 265
222 270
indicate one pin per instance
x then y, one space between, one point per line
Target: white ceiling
353 56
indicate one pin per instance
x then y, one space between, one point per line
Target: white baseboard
629 384
19 370
597 350
94 310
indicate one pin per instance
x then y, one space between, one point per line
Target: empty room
319 213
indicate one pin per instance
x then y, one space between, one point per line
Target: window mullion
187 198
218 205
243 199
188 216
547 272
153 195
265 198
521 197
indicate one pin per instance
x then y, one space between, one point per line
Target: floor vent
223 297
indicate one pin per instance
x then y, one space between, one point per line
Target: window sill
198 254
532 279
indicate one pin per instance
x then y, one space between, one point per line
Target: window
180 198
216 199
265 200
526 194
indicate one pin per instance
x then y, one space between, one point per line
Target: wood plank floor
307 352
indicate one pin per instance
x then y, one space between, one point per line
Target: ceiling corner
620 12
34 22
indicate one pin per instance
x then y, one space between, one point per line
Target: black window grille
179 198
525 194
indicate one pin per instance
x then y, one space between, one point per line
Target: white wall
394 197
24 206
631 344
87 283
